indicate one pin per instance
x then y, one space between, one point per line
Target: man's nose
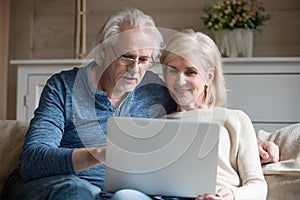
134 67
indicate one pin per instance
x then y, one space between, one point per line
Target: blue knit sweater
72 113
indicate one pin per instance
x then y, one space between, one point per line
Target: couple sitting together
63 156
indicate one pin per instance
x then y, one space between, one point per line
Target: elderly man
63 155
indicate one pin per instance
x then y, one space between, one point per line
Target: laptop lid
165 157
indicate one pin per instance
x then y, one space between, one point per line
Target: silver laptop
173 158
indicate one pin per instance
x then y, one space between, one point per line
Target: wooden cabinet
267 89
32 76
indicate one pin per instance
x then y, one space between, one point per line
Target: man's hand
268 152
84 158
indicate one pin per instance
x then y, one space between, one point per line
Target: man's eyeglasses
143 63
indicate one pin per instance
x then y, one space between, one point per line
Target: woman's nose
181 79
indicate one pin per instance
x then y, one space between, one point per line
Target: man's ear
102 49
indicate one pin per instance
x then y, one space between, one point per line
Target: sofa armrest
12 134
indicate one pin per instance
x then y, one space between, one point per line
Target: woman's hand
224 194
268 152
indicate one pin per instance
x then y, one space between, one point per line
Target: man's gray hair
134 18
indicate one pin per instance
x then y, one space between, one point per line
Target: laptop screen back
161 156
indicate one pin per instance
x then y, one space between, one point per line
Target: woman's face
186 83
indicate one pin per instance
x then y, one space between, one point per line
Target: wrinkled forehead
133 39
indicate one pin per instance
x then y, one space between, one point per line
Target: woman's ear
210 75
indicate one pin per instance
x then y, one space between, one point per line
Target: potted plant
233 23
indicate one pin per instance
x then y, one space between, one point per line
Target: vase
235 43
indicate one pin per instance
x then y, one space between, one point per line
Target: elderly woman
193 74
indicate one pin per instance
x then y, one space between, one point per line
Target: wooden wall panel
21 29
173 14
53 28
20 45
276 40
4 35
48 30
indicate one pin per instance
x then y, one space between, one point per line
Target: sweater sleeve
249 168
42 155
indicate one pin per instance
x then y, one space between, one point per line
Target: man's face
129 54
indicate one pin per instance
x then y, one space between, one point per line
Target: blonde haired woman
194 77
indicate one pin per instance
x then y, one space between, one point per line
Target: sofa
12 134
283 177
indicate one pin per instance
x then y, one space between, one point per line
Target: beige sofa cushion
283 177
12 134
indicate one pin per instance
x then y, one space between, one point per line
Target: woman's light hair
135 19
201 51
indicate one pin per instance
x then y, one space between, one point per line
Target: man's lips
130 79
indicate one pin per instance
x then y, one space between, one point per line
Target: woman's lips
182 90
